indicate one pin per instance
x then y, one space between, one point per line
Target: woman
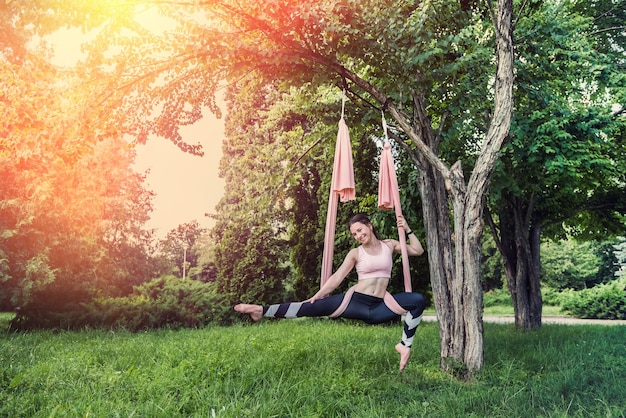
373 260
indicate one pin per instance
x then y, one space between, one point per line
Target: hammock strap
329 241
389 198
341 188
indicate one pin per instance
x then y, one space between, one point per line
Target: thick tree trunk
455 263
441 260
455 266
455 269
472 227
535 300
518 243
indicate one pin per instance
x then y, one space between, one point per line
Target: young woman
373 260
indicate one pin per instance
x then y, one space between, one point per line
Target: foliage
566 131
620 255
182 245
74 223
608 24
550 296
72 210
306 234
163 302
605 301
251 254
309 368
497 297
257 275
492 271
577 265
206 271
562 172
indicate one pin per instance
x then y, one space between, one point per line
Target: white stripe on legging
411 324
293 310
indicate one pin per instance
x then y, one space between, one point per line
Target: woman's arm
414 246
335 280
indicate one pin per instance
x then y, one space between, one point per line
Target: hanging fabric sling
389 198
342 186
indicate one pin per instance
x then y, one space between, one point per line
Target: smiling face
361 232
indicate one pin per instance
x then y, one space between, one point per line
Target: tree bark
455 266
519 244
534 298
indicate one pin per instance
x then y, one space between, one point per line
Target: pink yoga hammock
389 198
342 187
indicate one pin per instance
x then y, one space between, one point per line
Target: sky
186 186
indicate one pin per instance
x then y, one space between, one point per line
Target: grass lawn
309 368
508 310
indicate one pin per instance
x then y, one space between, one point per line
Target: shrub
163 302
550 296
497 297
607 301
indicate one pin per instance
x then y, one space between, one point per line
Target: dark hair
362 218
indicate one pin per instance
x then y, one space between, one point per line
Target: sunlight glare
186 186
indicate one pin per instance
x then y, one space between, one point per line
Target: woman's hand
402 224
335 279
315 297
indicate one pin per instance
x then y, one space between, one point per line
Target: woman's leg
322 307
368 308
414 303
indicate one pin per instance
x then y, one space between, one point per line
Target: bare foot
255 311
405 353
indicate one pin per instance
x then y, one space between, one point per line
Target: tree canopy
72 211
562 172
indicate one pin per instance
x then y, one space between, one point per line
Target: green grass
309 368
508 310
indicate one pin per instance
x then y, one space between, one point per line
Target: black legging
369 309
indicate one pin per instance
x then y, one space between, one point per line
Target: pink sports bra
374 266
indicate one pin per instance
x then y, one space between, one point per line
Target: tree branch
599 31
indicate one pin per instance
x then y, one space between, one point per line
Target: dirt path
546 319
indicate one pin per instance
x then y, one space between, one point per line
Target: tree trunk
455 266
519 245
440 258
535 299
455 269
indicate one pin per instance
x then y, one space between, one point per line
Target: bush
163 302
497 297
550 296
607 301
